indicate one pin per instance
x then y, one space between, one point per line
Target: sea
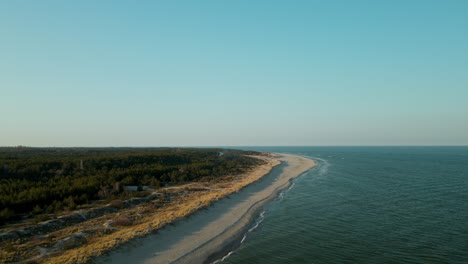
365 205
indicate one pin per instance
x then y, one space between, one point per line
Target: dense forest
35 181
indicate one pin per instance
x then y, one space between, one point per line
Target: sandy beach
209 234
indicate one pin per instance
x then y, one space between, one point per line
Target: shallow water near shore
367 205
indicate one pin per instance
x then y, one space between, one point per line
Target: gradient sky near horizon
230 73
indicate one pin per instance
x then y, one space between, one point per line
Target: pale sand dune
208 234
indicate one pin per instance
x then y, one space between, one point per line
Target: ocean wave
255 226
282 194
323 165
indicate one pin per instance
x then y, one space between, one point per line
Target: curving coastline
208 235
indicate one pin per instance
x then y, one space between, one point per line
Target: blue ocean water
367 205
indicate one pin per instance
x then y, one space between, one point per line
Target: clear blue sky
197 73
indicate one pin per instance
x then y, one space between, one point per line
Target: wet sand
209 234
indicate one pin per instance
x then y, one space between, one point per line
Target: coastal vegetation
39 181
183 181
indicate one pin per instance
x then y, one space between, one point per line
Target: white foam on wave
243 239
323 165
257 224
292 186
224 258
282 194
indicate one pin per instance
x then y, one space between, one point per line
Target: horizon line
229 146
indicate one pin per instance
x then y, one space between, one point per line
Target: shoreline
209 235
256 211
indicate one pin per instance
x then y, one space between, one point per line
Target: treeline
48 180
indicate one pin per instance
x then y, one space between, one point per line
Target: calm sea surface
367 205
